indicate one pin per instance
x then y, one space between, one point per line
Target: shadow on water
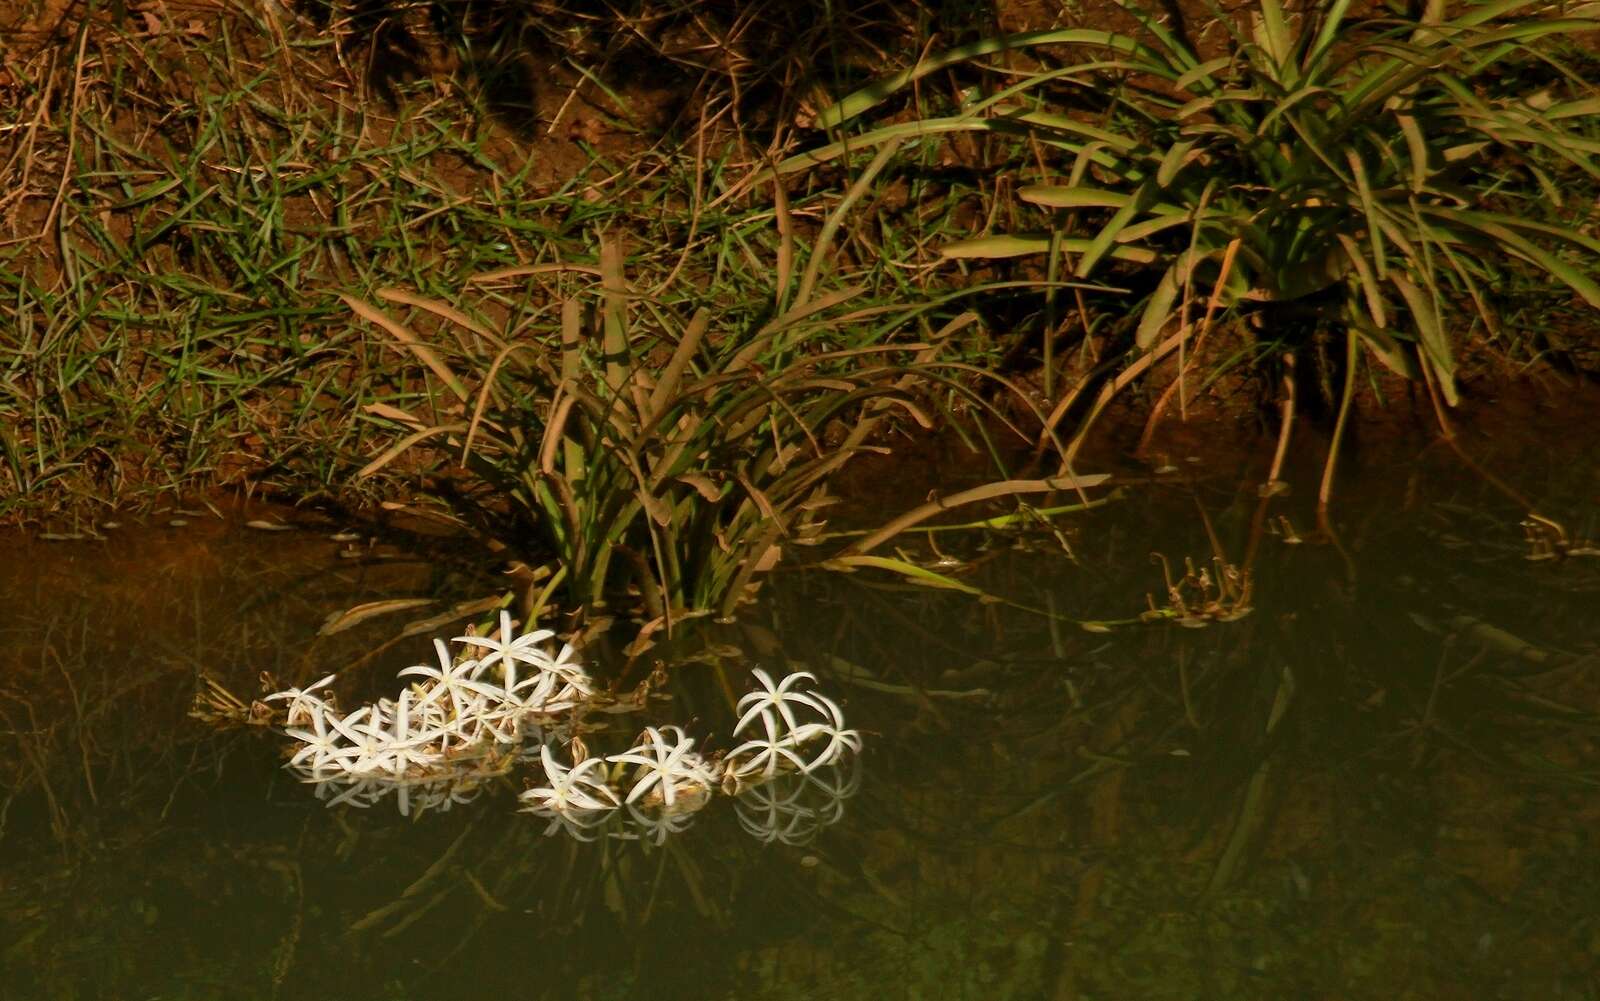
1380 782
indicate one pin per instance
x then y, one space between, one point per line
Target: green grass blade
876 93
1436 346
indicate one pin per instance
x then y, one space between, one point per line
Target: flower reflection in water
794 808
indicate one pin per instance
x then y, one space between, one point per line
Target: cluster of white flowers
460 710
503 700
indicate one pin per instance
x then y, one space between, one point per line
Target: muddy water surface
1373 774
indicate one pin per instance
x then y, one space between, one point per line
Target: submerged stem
1352 359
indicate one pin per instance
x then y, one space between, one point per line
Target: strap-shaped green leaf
1272 33
875 93
1022 244
1158 310
1203 74
1174 160
1370 209
1332 19
1388 351
1102 243
1079 197
1436 347
1369 281
1503 229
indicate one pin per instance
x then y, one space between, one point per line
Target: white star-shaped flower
579 788
665 758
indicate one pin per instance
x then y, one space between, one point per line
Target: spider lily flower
368 748
534 692
321 743
666 759
302 701
581 788
575 685
453 728
510 651
413 745
452 680
780 697
579 825
838 742
775 706
764 761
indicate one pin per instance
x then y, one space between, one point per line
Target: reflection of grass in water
1413 821
262 895
98 674
1424 826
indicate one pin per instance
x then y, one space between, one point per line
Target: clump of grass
182 203
646 452
159 327
1322 175
178 205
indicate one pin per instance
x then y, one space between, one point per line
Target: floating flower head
668 767
581 788
791 718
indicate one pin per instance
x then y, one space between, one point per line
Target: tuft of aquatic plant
1201 597
653 459
470 718
1324 174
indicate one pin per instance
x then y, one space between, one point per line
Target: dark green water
1364 788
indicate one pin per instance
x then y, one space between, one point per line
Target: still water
1366 769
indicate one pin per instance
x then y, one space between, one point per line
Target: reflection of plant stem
988 491
1286 422
1251 813
379 915
1420 745
1325 526
1258 531
1183 688
1488 477
288 946
30 750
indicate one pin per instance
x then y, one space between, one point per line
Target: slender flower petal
301 701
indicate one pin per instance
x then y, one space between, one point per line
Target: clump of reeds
648 453
1313 177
